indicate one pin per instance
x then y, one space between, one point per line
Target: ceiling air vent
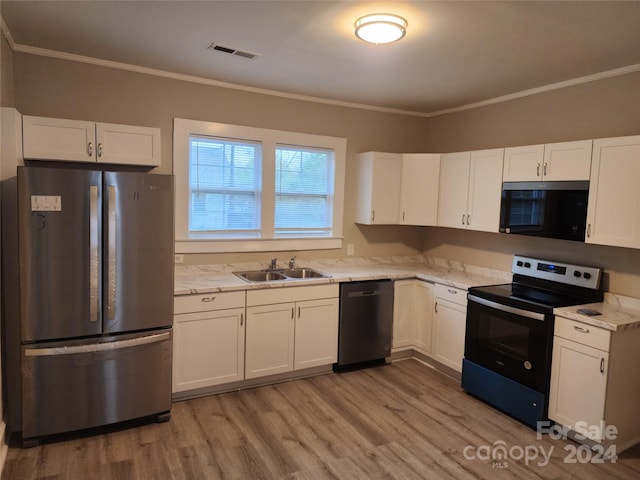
233 51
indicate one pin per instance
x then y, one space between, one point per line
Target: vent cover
233 51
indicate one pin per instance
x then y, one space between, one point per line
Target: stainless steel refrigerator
90 331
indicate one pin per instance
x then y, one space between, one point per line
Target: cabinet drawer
455 295
208 301
583 333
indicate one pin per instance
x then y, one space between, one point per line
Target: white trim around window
269 139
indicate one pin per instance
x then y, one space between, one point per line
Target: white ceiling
455 53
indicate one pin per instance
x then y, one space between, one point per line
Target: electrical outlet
179 258
350 249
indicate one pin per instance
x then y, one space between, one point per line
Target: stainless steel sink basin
260 276
303 273
275 275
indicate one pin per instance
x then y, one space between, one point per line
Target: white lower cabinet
412 315
208 340
270 336
449 324
291 329
595 385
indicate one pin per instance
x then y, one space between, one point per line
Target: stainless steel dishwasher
366 322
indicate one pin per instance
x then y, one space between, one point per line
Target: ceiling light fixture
380 28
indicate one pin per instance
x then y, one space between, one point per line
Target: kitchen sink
276 275
260 276
303 273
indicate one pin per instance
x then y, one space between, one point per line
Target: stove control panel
578 275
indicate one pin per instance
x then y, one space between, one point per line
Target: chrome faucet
273 264
292 263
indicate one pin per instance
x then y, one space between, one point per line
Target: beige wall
57 88
606 108
6 74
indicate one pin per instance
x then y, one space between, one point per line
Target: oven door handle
506 308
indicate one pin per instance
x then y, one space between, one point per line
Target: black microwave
545 209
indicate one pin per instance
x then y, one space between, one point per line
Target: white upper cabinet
567 161
613 215
419 189
551 162
454 189
485 190
127 145
470 190
378 188
58 139
79 141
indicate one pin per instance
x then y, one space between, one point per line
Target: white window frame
270 139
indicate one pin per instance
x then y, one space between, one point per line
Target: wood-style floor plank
400 421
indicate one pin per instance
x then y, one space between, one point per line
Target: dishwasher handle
366 293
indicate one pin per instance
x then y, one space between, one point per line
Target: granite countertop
618 313
200 279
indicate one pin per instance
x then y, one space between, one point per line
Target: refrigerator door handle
96 347
94 266
111 253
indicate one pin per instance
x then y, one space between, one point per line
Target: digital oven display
549 267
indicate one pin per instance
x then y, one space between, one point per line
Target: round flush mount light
380 28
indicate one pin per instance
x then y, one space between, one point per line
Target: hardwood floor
400 421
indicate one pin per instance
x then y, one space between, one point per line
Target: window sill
262 245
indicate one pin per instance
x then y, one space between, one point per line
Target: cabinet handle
602 365
298 312
588 230
100 149
581 329
468 219
403 216
436 307
452 292
207 299
241 319
373 215
463 219
90 149
292 313
544 169
538 170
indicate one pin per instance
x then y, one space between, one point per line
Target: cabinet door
208 349
404 296
269 340
379 188
316 337
448 333
485 190
58 139
128 145
613 215
523 164
423 319
419 189
453 190
578 386
567 160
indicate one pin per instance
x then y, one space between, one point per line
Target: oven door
510 341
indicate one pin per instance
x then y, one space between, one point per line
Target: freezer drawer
76 385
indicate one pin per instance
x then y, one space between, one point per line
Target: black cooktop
533 298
